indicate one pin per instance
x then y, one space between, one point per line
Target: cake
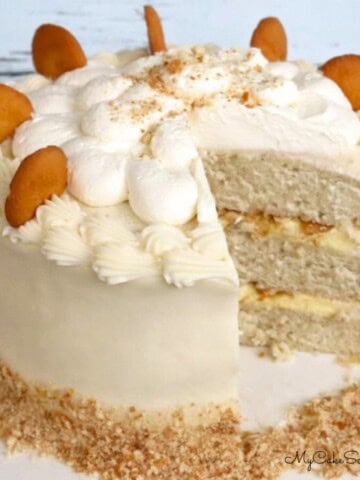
124 179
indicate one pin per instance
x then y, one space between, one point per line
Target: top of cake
132 127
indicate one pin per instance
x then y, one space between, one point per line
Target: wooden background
317 29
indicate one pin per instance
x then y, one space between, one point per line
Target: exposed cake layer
139 344
92 438
320 188
298 321
290 255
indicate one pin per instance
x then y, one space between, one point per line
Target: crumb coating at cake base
73 430
95 439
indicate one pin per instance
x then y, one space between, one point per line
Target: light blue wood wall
317 29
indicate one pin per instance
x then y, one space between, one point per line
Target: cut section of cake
287 186
305 257
303 282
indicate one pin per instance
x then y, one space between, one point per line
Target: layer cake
134 173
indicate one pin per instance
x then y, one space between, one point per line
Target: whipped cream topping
132 126
172 143
300 111
159 195
129 108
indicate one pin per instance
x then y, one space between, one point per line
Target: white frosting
173 144
86 164
131 126
7 170
118 246
287 70
116 264
65 247
30 232
280 94
101 89
206 207
316 83
100 229
60 212
105 58
295 109
316 127
53 99
127 118
120 345
42 131
158 239
183 268
126 57
31 82
196 81
208 239
89 160
141 64
159 195
81 76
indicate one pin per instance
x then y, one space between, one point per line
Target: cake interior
299 267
